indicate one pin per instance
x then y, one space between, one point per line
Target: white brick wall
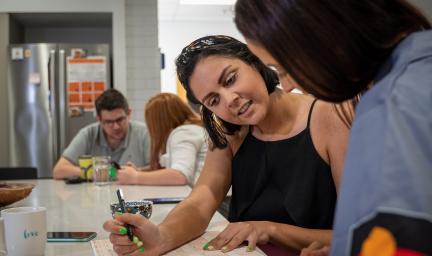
142 54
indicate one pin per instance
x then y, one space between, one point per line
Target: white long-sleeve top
186 150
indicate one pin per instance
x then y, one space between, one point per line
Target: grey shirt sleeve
80 145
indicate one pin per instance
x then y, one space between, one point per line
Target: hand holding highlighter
123 210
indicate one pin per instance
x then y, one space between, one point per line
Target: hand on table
315 249
254 232
128 174
131 164
147 241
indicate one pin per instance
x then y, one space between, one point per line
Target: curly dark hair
225 46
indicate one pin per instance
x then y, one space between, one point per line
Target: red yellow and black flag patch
390 234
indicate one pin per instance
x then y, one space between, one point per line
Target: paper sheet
193 248
102 248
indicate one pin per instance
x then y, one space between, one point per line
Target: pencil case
143 207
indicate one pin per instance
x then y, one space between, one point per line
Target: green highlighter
112 172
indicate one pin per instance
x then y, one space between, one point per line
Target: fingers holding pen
117 228
146 240
113 226
117 233
122 245
136 246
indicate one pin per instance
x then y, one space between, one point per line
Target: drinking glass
101 167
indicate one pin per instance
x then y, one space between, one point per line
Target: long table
85 207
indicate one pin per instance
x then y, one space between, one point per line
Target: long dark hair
333 49
225 46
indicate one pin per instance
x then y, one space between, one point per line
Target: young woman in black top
281 152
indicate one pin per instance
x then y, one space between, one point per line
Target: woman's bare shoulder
329 126
334 115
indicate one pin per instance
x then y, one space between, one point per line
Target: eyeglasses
111 123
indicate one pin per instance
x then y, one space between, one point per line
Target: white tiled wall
142 54
174 35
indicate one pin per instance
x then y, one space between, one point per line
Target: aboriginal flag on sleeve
390 234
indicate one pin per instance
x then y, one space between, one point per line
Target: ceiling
168 10
172 10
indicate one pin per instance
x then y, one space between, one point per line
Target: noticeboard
86 80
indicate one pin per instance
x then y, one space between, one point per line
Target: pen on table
123 209
165 200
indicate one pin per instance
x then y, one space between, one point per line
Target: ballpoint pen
123 209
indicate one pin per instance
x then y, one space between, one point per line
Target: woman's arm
129 175
64 168
316 249
330 136
67 165
188 219
296 237
196 211
337 143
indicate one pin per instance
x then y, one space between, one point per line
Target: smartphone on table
70 236
74 180
165 200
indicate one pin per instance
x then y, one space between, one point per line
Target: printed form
193 248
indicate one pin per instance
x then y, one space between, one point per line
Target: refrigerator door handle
62 99
52 103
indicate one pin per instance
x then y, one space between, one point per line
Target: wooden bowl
13 192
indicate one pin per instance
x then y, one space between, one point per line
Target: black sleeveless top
283 181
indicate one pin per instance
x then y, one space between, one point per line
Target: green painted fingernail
118 213
224 249
250 249
122 230
139 244
135 239
208 247
141 249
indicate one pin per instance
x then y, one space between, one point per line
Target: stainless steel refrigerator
52 88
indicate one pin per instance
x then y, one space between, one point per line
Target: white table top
85 207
